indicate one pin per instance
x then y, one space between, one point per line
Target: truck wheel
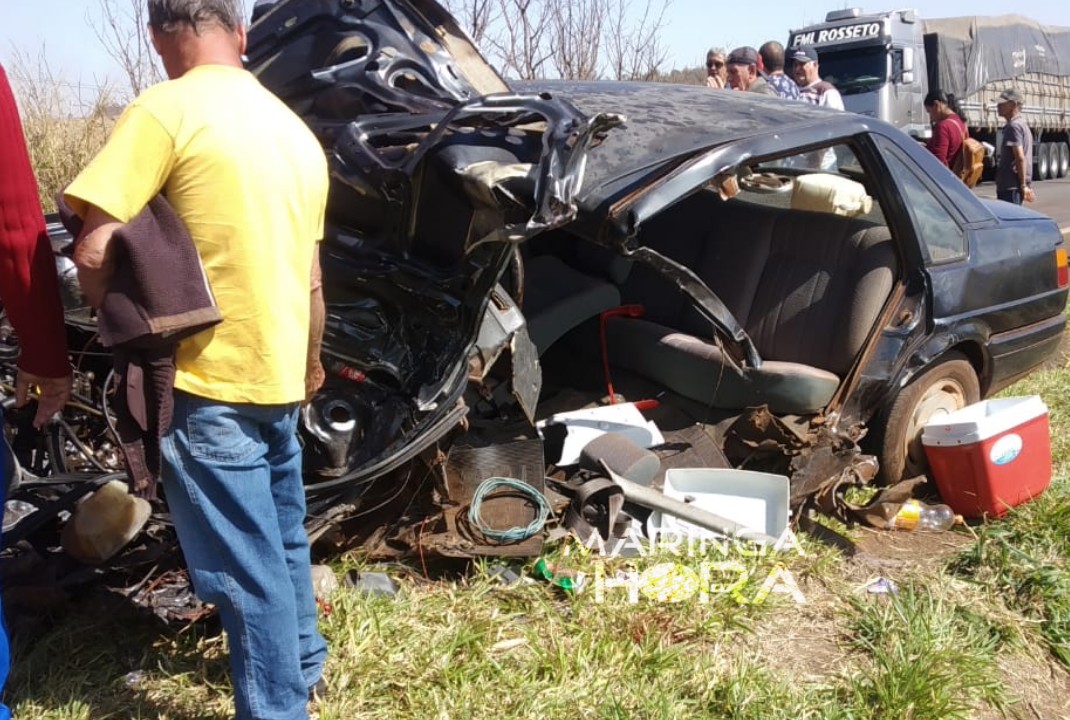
949 385
1042 161
1064 158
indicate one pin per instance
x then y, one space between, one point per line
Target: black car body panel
434 182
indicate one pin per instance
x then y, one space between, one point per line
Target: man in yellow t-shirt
249 180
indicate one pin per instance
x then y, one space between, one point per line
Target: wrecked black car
780 286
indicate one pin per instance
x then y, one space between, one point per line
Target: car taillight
1062 275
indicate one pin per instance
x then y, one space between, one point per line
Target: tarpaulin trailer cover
971 55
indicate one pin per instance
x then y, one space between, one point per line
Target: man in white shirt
812 88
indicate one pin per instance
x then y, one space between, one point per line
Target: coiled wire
513 534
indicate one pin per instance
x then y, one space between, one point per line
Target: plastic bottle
915 515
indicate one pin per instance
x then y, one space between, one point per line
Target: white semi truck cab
885 63
876 61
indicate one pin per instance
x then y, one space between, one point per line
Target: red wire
605 359
632 311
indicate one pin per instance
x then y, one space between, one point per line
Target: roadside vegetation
65 124
978 627
976 622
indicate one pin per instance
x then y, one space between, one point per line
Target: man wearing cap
743 72
772 56
716 75
812 88
1014 173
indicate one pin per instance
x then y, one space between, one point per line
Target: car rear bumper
1015 352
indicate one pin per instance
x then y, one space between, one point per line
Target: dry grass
65 125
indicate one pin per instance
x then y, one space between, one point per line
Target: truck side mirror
908 63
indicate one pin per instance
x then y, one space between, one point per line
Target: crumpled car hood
402 56
438 172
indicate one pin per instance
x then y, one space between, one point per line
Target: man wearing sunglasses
716 70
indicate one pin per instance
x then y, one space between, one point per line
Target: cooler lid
982 420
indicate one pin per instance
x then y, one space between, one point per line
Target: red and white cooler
990 456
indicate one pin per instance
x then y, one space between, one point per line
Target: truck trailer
885 63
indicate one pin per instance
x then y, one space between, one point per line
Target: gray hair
170 15
716 51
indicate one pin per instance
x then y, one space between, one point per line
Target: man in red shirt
949 130
30 292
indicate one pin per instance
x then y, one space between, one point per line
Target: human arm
314 374
118 183
28 282
1019 167
94 254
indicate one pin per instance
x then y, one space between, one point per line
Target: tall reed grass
65 124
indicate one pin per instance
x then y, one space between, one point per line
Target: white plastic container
756 500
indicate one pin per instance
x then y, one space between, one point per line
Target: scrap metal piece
641 495
527 373
758 435
881 509
382 56
467 467
505 327
820 463
824 475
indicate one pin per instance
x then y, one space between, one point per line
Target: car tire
949 385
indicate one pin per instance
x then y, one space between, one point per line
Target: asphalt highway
1053 199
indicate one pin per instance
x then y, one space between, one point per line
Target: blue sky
59 28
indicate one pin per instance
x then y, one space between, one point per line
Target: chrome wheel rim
941 398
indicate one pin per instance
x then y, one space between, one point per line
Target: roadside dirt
808 642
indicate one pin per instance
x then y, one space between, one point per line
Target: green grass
982 632
928 657
1022 560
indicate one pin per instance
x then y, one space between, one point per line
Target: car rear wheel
949 385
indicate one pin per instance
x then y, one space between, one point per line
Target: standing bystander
814 90
807 73
716 72
30 292
949 130
249 180
772 56
1014 173
743 72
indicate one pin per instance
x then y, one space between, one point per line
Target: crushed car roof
665 123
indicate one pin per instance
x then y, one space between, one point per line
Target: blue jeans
5 650
1013 195
232 478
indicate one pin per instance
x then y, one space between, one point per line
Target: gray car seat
807 287
560 295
